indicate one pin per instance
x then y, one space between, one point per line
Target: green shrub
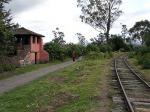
147 39
105 48
94 55
117 43
92 48
56 52
145 61
108 55
1 69
131 54
142 50
6 67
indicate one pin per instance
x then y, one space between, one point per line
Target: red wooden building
30 47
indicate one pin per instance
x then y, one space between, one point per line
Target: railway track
134 91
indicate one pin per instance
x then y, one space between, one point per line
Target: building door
35 57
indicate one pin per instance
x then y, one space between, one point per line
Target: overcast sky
43 16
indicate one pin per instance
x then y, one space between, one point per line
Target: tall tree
7 39
81 38
100 39
117 42
59 37
124 32
147 39
139 30
56 47
100 14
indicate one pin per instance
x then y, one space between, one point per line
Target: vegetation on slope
81 87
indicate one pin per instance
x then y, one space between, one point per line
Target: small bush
142 50
131 54
94 55
145 61
118 43
6 67
105 48
108 55
92 48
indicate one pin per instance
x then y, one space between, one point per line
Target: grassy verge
144 72
82 87
26 69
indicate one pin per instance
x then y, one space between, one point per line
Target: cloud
147 5
43 16
133 11
18 6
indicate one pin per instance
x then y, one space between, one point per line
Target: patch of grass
82 87
28 68
139 68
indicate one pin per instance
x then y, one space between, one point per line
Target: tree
92 48
7 40
81 38
59 37
117 43
147 39
124 32
100 14
56 47
100 39
139 30
54 50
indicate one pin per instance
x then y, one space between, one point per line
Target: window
18 40
33 39
25 40
38 40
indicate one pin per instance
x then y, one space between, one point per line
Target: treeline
141 32
135 40
58 49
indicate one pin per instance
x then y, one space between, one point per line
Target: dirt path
15 81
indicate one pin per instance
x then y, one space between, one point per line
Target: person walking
73 56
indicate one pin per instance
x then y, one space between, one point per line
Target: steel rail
129 105
140 78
